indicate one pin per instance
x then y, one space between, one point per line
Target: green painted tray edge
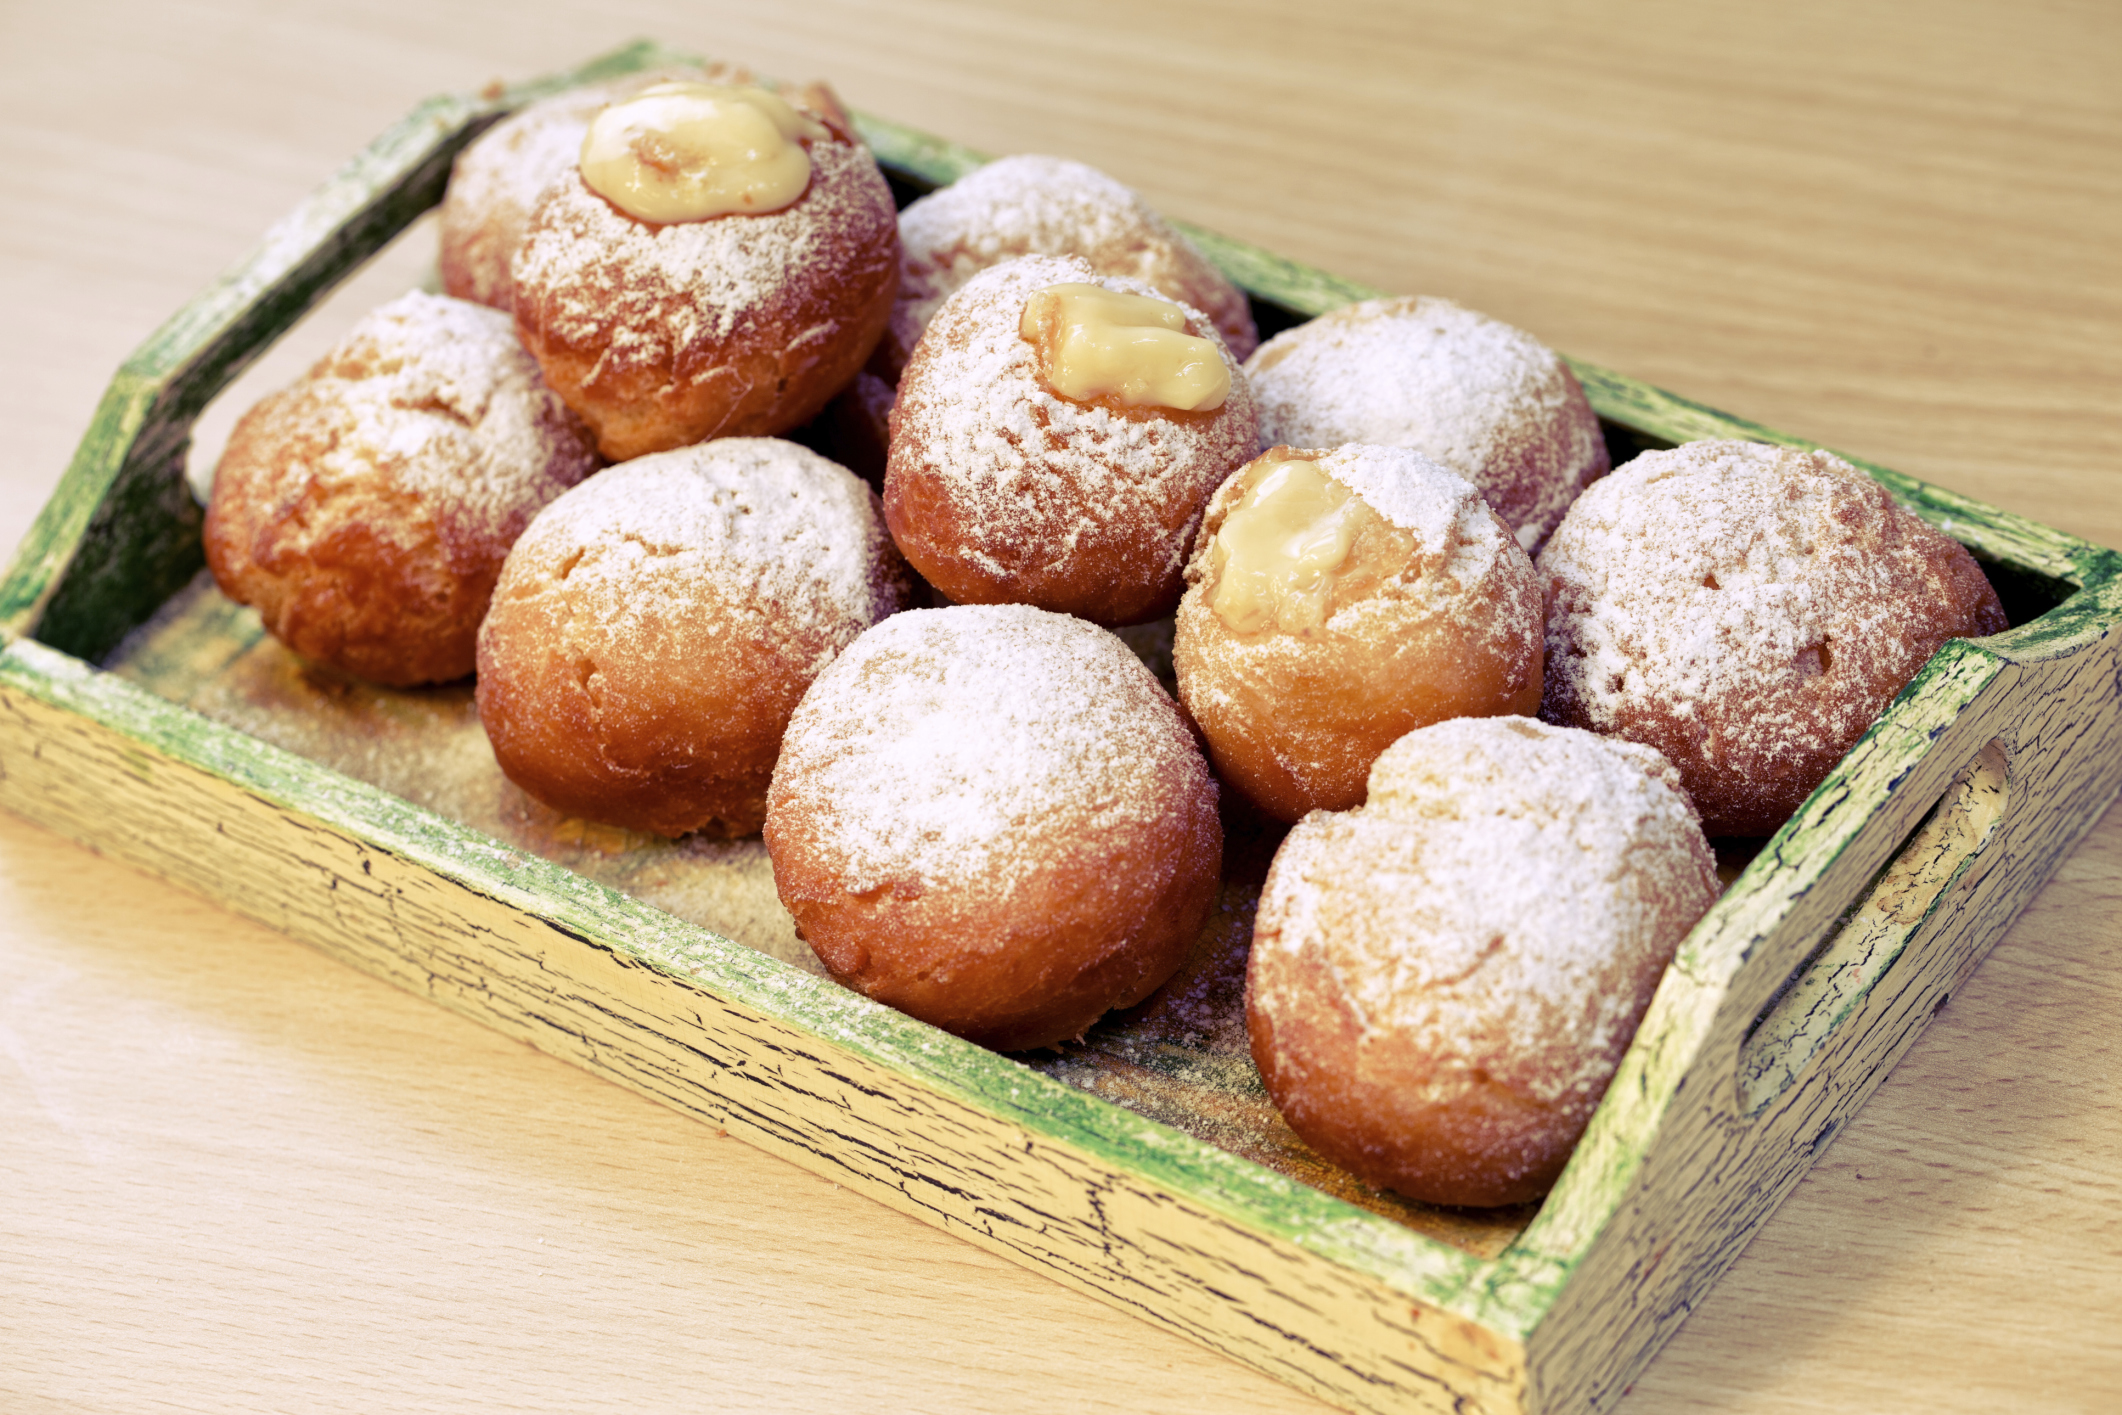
1234 1188
78 572
205 345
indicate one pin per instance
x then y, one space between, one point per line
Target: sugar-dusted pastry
992 817
1030 205
652 633
1336 601
365 511
1443 980
496 181
1748 611
719 263
1489 401
1056 438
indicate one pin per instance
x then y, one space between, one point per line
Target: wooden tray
1786 1005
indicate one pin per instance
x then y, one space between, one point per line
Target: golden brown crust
1001 491
739 325
992 818
1443 981
1748 611
650 636
1446 623
365 511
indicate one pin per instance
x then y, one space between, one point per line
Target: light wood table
235 1175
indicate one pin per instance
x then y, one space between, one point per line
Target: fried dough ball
1338 600
497 180
1002 490
651 634
1489 401
365 511
1749 611
1443 981
1031 205
742 324
991 817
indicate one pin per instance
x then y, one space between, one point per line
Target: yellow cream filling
1281 548
1097 343
689 151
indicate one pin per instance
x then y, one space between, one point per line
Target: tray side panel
122 533
1710 1175
1058 1207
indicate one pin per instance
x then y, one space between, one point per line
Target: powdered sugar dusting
951 746
1485 399
662 299
1506 900
444 403
1035 479
772 531
1749 610
1031 205
497 180
1466 596
1416 494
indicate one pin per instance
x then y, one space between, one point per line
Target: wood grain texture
1866 95
1171 1230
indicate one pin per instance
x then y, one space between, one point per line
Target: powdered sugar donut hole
366 510
1433 613
1749 611
1443 981
496 181
992 817
651 635
1032 205
736 325
1002 491
1487 400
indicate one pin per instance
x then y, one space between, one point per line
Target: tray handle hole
1832 983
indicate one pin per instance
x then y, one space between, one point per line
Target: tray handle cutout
1832 982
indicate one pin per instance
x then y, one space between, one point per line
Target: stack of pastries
1497 688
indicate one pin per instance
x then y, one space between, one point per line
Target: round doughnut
1300 673
652 633
1489 401
365 511
737 325
496 181
1443 980
1001 490
1748 611
1031 205
991 817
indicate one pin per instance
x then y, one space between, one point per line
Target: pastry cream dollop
1283 547
689 151
1098 343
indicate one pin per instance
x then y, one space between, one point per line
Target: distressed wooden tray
1786 1006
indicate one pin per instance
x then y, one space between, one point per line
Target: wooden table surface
236 1175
